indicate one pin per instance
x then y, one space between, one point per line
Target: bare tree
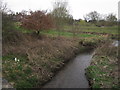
111 18
7 19
92 17
61 14
3 7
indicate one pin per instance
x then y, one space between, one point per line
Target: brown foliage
45 55
38 20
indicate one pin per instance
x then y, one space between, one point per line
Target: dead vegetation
39 56
104 69
44 56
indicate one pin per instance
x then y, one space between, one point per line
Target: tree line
57 18
101 20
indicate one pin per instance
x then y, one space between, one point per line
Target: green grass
102 71
93 28
108 30
49 59
67 34
19 72
19 28
86 35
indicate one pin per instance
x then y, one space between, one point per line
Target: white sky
78 8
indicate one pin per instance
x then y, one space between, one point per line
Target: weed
18 72
103 68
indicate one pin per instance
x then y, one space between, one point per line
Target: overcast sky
78 8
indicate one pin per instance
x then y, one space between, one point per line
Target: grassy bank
70 31
94 29
106 30
38 58
67 34
30 60
103 71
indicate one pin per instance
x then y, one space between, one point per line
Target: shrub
92 42
11 36
37 21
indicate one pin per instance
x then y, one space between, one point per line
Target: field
40 57
80 31
102 30
37 43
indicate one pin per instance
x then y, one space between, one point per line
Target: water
73 74
116 43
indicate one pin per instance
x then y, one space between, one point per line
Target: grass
41 58
107 30
37 62
67 34
103 72
20 28
91 29
19 73
95 29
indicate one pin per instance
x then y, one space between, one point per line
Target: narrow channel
73 74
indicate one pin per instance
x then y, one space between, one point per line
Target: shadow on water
73 74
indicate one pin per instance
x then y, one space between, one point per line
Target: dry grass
103 72
45 55
41 57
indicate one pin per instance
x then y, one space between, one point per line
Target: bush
11 36
7 22
37 21
92 42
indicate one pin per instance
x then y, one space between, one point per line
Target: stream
73 74
116 43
